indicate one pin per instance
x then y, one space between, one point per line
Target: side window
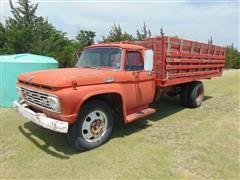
134 61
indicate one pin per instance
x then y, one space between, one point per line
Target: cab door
141 85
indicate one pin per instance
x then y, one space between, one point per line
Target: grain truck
113 81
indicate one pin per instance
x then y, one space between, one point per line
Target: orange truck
116 81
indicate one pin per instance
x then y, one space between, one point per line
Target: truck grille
37 98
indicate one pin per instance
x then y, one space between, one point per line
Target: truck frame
117 81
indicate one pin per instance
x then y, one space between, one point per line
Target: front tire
93 126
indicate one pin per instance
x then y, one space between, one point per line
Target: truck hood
65 77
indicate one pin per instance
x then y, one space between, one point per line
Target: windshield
109 58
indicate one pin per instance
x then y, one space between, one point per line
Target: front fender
72 99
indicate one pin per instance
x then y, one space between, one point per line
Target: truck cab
109 82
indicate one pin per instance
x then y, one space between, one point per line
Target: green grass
173 143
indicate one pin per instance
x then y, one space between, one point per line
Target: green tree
116 34
210 41
143 33
54 43
20 30
2 37
26 32
85 38
162 32
232 57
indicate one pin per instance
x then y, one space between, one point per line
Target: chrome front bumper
40 118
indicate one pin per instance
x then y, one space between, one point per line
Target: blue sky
195 20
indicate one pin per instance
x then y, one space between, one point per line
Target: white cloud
188 19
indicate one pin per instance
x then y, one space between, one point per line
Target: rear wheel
195 94
93 126
184 94
192 94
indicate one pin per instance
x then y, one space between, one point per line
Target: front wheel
93 126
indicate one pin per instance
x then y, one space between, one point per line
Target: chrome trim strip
109 79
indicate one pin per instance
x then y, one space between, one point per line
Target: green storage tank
11 66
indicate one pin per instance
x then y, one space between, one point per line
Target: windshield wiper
88 66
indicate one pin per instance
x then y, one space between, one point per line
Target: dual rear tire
192 94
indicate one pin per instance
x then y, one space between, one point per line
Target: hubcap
94 126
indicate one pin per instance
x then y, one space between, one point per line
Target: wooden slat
175 60
189 74
192 55
170 67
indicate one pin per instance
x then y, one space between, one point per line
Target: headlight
54 103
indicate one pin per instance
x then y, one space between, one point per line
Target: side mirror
148 60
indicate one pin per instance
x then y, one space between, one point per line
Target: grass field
173 143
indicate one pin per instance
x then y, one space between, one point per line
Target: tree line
25 32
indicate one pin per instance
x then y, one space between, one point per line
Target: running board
134 116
